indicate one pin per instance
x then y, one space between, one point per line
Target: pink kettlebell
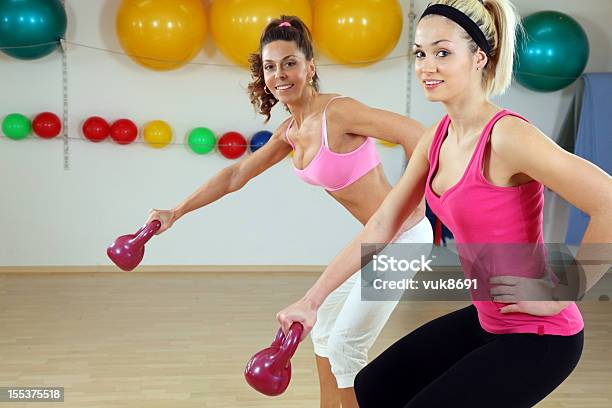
269 371
127 250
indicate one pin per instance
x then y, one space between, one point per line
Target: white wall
55 217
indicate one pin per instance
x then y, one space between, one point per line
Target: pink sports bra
335 171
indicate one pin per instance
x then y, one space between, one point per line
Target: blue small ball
259 139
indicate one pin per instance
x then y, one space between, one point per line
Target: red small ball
47 125
232 145
124 131
96 129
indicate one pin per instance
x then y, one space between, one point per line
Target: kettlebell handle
146 232
278 339
290 344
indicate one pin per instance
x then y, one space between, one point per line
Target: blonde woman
483 170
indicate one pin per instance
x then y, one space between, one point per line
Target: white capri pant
347 326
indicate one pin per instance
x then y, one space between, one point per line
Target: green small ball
201 140
16 126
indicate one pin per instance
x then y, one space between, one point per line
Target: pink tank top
334 171
479 214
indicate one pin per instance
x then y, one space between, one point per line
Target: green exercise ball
551 53
25 23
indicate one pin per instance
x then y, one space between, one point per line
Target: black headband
464 21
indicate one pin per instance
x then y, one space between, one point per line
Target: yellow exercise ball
357 32
161 34
157 133
236 25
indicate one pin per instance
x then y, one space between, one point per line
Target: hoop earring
267 91
311 82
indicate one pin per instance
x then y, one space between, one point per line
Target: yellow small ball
157 134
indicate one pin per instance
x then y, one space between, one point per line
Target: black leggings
452 362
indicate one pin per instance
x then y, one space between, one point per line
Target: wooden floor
182 340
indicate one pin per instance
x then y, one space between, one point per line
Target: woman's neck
304 107
469 113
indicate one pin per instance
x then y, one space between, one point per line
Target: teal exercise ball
26 23
551 53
